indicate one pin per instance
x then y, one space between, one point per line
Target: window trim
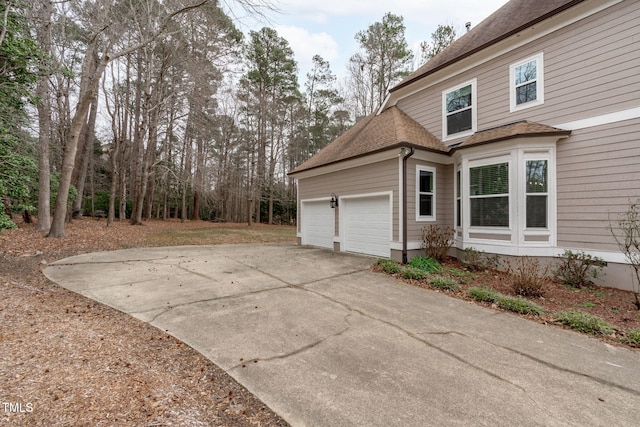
432 217
513 106
474 111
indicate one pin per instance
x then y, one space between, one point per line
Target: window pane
536 176
459 122
526 72
426 205
490 212
489 179
426 182
458 184
459 213
536 211
526 93
458 99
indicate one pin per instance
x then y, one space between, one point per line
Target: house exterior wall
590 68
372 178
444 200
590 71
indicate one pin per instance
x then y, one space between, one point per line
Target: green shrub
389 266
632 337
430 265
447 283
479 261
519 305
527 277
584 322
414 273
577 268
484 294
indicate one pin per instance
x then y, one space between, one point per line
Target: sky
328 27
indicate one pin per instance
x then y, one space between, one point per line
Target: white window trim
474 111
513 107
422 218
516 155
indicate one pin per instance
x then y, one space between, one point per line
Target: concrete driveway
324 341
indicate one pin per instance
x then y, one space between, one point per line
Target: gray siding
576 85
373 178
444 198
598 174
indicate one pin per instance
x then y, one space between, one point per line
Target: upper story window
459 110
526 83
425 193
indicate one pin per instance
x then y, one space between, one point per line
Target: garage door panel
367 225
318 224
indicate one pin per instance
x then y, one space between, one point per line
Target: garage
366 225
318 224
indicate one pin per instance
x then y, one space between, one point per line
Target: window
489 195
536 182
526 83
459 115
425 193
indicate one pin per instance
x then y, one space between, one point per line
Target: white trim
604 119
474 110
569 17
513 106
432 217
400 200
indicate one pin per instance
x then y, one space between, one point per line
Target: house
523 135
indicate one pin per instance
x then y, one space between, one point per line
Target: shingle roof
391 128
520 129
510 19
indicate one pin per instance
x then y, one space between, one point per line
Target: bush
436 241
446 283
479 261
576 268
527 277
484 294
389 266
584 322
632 337
430 265
414 273
519 305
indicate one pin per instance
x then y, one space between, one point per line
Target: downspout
405 258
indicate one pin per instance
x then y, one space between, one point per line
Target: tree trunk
88 88
83 167
44 122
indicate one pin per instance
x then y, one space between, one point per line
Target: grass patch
446 283
414 273
632 337
223 235
389 266
430 265
584 322
519 305
515 304
484 294
461 274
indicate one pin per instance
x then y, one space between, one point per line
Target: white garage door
367 225
318 224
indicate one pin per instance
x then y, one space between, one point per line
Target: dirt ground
67 361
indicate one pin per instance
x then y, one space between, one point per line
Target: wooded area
164 109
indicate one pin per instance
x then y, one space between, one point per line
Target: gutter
405 258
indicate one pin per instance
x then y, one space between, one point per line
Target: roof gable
391 128
510 19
